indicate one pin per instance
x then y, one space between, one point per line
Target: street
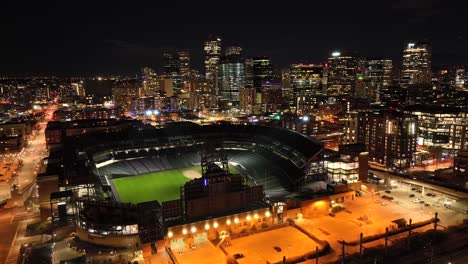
18 213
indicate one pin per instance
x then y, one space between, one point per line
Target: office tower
269 98
172 69
341 74
166 87
262 71
248 69
212 55
416 68
306 81
286 88
247 100
231 77
150 82
390 137
184 64
200 96
233 50
376 75
458 77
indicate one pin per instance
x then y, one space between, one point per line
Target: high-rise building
416 68
459 75
247 100
286 88
351 128
231 77
306 81
390 137
262 71
172 69
166 87
248 69
184 64
200 96
376 76
341 74
212 55
150 81
233 50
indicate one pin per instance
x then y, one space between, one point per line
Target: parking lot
271 246
370 214
205 251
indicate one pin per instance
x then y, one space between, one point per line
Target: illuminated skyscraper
233 50
306 81
150 82
459 76
212 55
341 74
262 71
248 68
184 64
376 76
231 77
416 64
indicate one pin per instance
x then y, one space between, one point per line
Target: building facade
150 82
212 50
307 81
390 137
341 74
376 76
231 77
416 68
262 71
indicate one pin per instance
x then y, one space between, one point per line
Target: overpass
450 193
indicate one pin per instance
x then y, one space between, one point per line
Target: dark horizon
117 38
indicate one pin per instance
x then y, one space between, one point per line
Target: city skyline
120 39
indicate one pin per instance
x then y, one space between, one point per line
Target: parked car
388 191
411 195
377 201
387 197
427 205
384 204
417 200
238 256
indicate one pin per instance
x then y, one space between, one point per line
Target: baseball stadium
151 184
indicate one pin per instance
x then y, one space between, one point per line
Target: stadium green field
161 186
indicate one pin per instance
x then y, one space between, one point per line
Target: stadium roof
305 145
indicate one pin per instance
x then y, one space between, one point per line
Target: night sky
73 37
